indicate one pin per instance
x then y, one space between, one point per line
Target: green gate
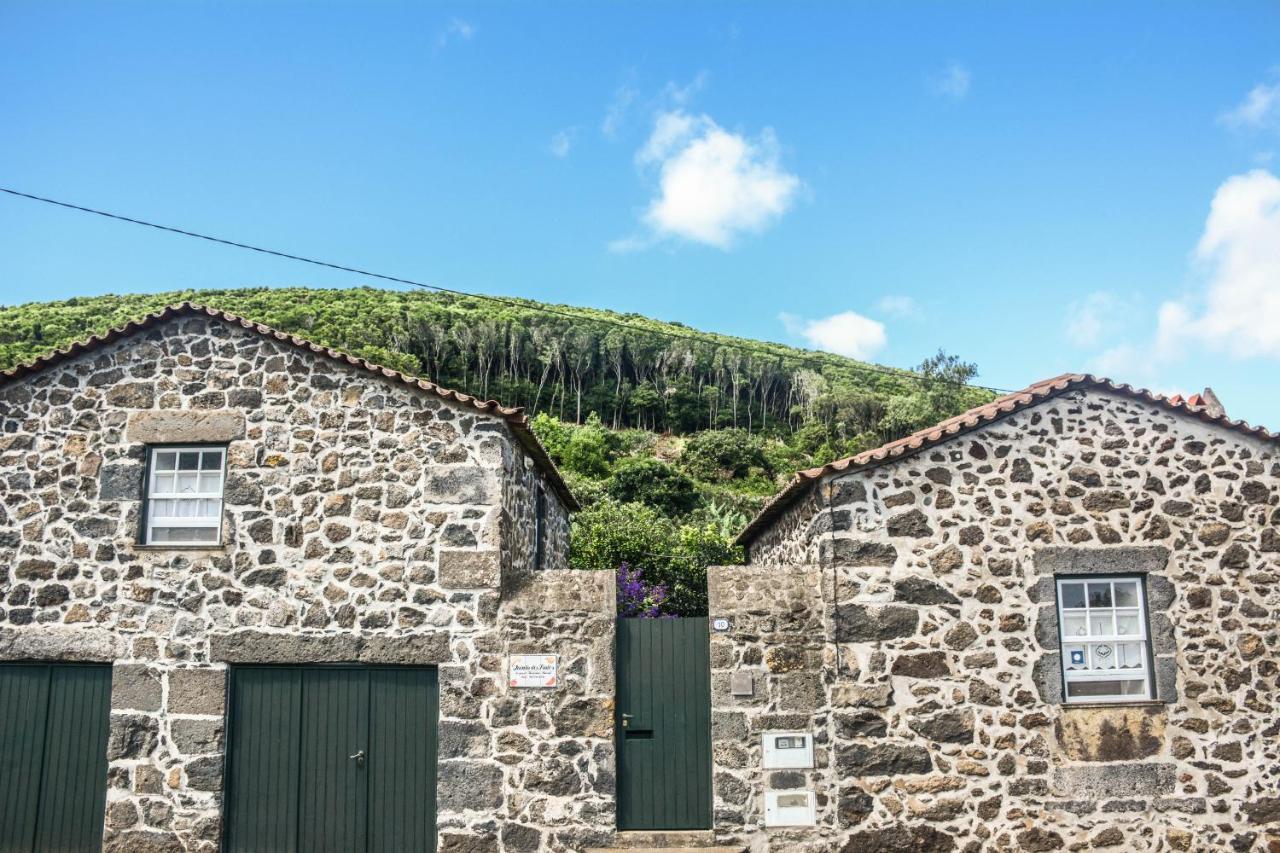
53 756
664 724
331 758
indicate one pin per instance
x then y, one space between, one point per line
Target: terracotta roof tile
514 417
980 416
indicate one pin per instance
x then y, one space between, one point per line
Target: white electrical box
789 808
787 750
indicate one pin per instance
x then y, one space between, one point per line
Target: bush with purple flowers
638 597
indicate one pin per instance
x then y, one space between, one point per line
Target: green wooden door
664 724
53 756
331 758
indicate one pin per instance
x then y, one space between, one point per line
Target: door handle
358 757
625 720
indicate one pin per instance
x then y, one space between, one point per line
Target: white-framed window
184 495
1105 645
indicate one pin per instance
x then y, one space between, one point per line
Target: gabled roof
514 417
1196 407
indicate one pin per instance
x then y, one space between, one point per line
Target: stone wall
779 636
939 720
364 521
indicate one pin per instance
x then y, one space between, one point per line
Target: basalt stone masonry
368 518
901 606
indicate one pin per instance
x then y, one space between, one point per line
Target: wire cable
514 303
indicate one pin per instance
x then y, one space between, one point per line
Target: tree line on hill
670 437
661 377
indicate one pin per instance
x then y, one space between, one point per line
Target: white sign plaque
534 670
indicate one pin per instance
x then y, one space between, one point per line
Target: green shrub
553 433
588 490
610 533
401 361
653 483
719 454
591 448
588 449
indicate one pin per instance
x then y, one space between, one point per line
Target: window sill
212 548
1134 703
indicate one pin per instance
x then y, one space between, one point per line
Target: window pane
211 460
1074 625
1073 595
1126 594
1076 657
165 460
1086 689
189 460
164 483
1127 624
164 535
211 483
1104 656
1101 624
1129 656
187 483
1099 595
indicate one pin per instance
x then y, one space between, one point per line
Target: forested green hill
670 436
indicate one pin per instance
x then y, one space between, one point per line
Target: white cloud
899 306
953 81
1090 319
713 185
458 30
847 333
616 113
670 129
676 95
1239 252
1261 107
562 141
1124 363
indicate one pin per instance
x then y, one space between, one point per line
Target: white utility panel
787 750
789 808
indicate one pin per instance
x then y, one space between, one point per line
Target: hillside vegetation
671 437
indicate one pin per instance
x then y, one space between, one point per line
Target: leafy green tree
609 534
654 483
724 454
591 448
553 433
943 393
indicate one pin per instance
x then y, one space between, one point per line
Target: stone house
259 594
1049 623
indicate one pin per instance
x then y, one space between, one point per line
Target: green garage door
53 756
331 758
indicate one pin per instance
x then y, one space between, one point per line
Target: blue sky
1036 187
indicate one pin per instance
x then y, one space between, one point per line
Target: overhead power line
514 303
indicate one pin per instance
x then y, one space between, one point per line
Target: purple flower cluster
637 597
